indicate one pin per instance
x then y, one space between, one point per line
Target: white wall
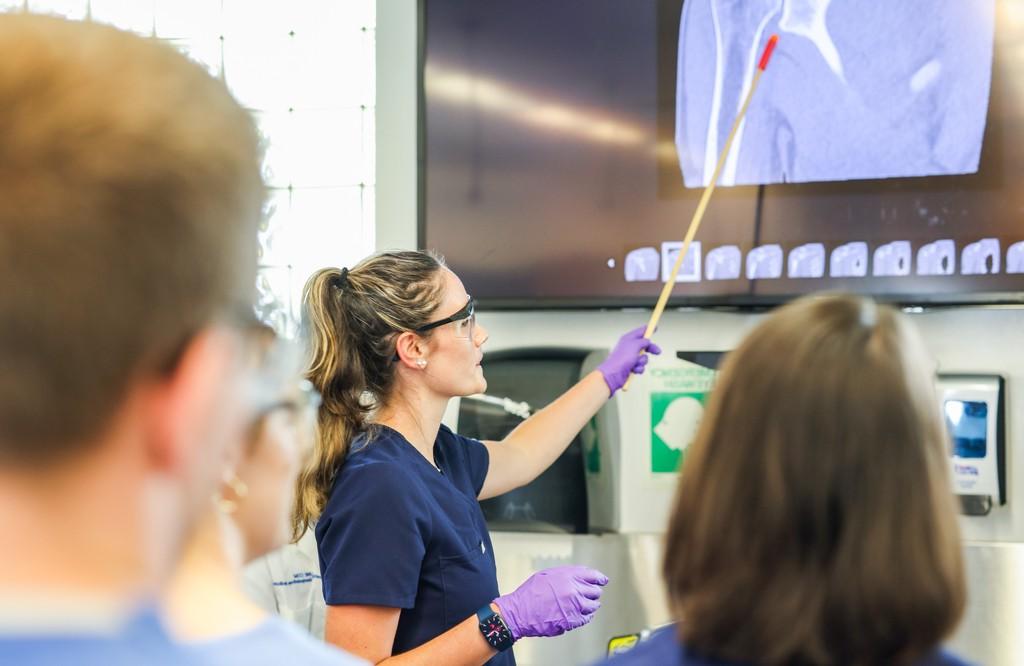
981 340
397 50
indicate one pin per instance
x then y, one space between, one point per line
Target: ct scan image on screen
566 144
897 113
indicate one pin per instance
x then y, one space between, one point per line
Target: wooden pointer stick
698 215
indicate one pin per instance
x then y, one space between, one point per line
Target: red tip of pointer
768 48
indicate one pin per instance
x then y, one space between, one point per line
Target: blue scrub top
142 640
275 641
398 533
664 649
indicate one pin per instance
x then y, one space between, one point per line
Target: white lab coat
287 582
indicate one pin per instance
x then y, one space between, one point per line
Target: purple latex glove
553 601
626 357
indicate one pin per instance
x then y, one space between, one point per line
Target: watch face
495 631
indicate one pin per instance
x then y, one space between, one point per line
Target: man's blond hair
130 194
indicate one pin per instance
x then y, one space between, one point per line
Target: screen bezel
745 302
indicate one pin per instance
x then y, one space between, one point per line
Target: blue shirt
273 642
664 649
397 532
142 640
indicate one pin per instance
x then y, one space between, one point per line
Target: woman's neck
205 599
417 417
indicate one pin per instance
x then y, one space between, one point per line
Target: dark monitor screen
556 501
566 143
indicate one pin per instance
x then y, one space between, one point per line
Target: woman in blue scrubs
408 571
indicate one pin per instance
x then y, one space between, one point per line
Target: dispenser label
677 400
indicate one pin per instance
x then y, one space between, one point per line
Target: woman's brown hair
814 522
351 319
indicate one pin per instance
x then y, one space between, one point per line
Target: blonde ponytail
350 321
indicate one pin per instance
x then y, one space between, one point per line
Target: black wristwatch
494 630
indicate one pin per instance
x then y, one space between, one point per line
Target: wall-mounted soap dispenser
973 408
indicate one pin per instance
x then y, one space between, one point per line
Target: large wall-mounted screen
566 144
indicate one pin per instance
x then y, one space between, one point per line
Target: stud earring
240 490
421 363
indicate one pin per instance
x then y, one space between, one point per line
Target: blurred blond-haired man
130 194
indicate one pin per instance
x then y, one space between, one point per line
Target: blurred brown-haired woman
814 522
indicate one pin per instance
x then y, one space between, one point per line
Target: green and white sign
677 399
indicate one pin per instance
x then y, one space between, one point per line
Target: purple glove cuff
508 618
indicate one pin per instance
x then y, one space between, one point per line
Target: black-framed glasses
464 320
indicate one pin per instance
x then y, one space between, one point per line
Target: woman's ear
411 350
